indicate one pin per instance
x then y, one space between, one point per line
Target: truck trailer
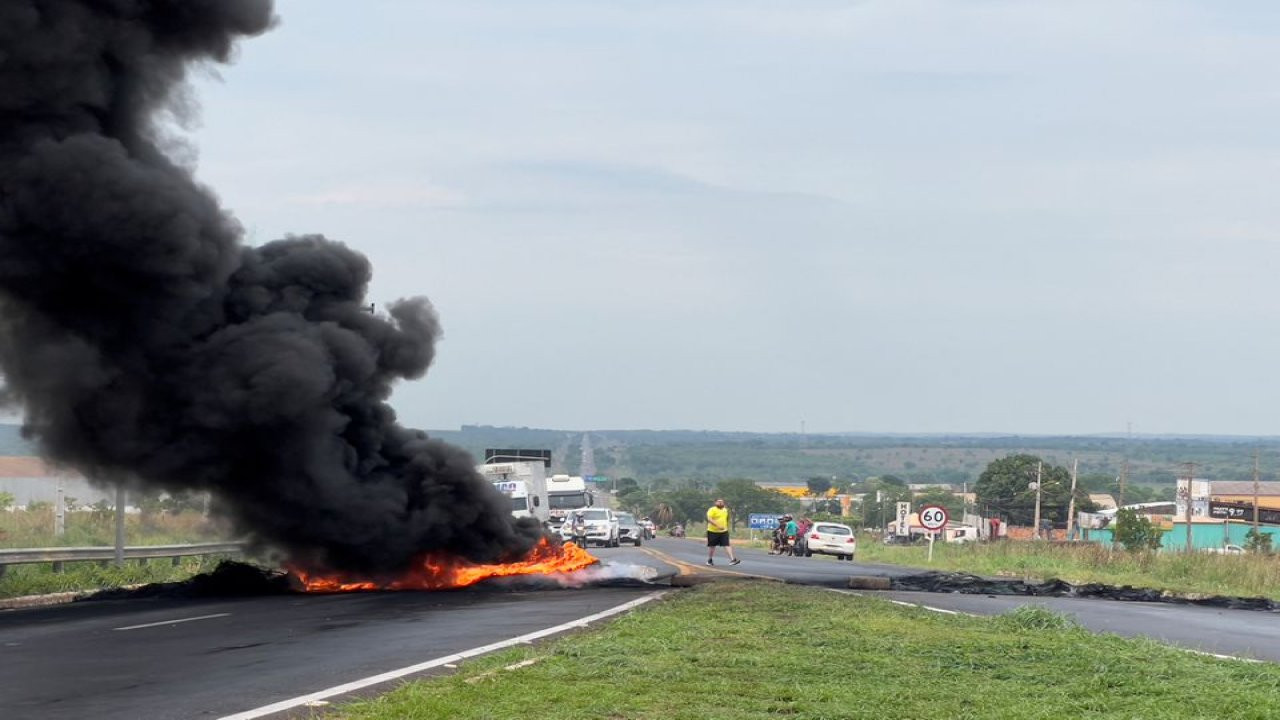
525 483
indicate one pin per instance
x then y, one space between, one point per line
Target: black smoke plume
147 344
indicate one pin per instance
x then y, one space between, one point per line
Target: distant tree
891 481
1135 532
625 484
939 496
744 497
686 504
1005 488
662 514
818 486
829 506
6 500
635 500
879 504
1257 542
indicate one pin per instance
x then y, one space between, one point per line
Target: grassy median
1243 575
747 650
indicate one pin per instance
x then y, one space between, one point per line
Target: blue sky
888 215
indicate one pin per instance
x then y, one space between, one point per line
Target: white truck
566 494
525 483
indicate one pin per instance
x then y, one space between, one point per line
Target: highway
173 658
185 658
1242 633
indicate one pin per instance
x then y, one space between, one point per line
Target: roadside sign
933 517
762 521
904 519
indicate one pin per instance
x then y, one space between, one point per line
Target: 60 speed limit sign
933 517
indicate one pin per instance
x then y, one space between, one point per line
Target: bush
1135 532
1258 542
1035 617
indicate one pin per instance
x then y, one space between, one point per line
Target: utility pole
59 505
120 498
1255 493
1186 515
1071 504
1038 484
1124 475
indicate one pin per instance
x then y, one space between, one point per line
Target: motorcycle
578 533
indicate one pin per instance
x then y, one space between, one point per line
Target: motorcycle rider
578 529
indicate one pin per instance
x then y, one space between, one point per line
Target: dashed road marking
355 685
172 622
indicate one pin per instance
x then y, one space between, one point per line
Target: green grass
34 528
742 651
1244 575
39 579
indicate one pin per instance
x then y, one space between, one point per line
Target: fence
57 556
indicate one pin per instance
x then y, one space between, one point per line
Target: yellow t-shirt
718 519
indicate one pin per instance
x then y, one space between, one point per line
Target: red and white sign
933 517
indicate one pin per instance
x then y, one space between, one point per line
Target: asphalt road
1242 633
107 660
210 658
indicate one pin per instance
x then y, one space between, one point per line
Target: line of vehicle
172 622
362 683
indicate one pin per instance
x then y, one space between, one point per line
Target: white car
602 526
826 538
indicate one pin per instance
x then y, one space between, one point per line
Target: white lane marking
954 612
904 603
172 622
1223 657
930 608
438 662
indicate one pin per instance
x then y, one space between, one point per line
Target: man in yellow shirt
718 532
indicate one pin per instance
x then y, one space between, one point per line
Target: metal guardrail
58 555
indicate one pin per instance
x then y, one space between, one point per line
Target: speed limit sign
933 517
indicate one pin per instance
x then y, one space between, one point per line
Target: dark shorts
715 539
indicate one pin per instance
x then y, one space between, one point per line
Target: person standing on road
718 532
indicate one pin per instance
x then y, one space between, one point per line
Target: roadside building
1241 491
1104 501
31 479
795 490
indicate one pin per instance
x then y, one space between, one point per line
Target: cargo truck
525 483
567 493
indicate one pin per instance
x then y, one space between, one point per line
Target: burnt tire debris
232 578
939 582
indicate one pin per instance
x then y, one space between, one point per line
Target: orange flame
438 571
